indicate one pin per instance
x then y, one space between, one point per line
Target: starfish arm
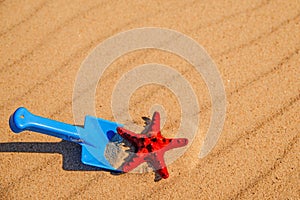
128 135
159 165
155 123
163 172
135 161
176 143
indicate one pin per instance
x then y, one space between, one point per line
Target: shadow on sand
70 151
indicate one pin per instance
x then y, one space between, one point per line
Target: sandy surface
255 45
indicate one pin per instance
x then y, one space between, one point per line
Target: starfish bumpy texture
150 147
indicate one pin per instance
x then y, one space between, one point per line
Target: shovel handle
23 120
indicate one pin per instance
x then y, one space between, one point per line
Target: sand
255 45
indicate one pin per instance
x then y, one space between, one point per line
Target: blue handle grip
22 120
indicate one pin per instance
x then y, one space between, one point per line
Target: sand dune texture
255 45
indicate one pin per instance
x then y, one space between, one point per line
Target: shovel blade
96 135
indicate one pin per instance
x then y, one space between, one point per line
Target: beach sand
255 46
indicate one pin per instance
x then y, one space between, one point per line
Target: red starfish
150 147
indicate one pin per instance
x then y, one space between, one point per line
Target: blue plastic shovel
93 137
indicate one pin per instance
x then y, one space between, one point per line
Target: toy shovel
93 137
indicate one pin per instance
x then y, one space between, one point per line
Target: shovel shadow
70 151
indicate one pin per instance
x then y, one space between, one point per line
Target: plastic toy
93 137
150 147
